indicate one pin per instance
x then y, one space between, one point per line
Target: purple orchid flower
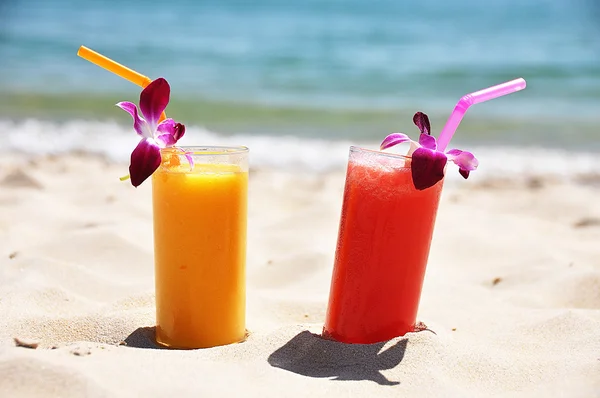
145 158
427 166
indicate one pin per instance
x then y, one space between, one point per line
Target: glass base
367 339
164 342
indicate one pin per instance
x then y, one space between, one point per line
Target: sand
511 296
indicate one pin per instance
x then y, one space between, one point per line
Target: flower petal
165 132
190 159
463 159
427 167
179 131
139 124
422 122
171 133
154 99
428 141
393 139
165 140
166 126
145 159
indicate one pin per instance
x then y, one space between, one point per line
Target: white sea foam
116 141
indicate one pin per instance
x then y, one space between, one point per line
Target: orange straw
116 68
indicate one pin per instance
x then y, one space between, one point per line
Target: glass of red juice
383 244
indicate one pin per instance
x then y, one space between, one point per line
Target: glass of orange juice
383 244
200 216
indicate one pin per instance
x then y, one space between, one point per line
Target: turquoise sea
321 70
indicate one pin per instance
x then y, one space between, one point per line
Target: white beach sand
512 292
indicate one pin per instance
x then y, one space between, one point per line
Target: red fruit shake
383 245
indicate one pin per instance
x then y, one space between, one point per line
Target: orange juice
200 247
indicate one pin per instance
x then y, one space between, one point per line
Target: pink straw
474 98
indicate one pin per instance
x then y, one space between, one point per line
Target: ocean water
298 79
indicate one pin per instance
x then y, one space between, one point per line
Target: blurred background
351 70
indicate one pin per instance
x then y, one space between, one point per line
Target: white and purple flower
155 134
427 163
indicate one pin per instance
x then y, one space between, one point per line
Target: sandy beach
511 296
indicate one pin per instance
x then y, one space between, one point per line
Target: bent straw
116 68
474 98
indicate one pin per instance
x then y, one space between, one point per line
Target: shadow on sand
310 355
143 338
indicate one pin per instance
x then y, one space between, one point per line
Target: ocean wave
115 142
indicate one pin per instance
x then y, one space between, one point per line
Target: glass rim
354 148
212 150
